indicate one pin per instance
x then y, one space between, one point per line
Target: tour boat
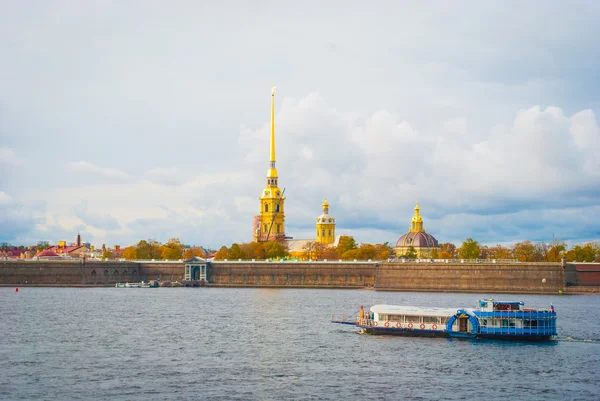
141 284
505 320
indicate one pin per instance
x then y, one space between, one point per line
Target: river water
274 344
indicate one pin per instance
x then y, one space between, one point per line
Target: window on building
277 208
278 226
330 233
322 233
317 233
266 207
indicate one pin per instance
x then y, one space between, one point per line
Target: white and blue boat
504 320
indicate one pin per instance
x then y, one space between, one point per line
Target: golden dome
272 173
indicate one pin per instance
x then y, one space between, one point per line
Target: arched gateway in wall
196 269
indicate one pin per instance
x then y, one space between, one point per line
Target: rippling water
273 344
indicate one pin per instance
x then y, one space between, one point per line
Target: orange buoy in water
17 289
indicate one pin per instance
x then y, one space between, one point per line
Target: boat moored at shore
141 284
507 320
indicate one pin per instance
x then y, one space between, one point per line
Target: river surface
274 344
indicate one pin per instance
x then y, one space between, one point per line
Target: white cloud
9 157
86 168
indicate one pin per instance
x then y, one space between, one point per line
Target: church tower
269 225
325 226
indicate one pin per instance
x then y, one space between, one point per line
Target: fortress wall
66 272
516 277
293 274
519 277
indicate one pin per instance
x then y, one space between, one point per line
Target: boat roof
413 310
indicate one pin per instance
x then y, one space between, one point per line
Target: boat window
395 318
414 319
430 319
443 320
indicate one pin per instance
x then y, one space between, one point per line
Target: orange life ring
387 324
434 326
374 323
398 325
410 325
422 326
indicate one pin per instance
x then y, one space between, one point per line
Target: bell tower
325 226
269 225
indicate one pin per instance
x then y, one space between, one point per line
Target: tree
172 250
351 254
366 252
346 243
107 255
499 252
383 251
222 253
330 254
193 252
130 253
435 253
150 249
556 251
309 249
587 253
469 250
524 251
447 251
411 253
235 252
274 250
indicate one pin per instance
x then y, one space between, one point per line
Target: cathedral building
422 242
270 224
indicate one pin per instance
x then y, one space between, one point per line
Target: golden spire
273 127
325 206
272 172
416 225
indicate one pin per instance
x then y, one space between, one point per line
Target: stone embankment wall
88 273
293 274
463 277
472 277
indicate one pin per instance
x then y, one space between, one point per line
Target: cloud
90 169
16 219
9 157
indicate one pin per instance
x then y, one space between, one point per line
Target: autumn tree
366 252
172 250
383 251
499 252
107 255
469 250
193 252
524 251
589 252
222 253
346 243
309 249
235 252
556 251
447 251
274 250
350 254
330 254
130 253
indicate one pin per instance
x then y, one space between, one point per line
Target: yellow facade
271 224
325 226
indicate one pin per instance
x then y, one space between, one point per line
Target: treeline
151 249
347 249
525 251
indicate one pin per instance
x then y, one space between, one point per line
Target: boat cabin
489 305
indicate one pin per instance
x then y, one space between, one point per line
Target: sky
130 120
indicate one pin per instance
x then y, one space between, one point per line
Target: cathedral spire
272 173
272 127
